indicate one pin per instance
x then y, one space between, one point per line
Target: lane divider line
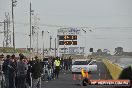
99 75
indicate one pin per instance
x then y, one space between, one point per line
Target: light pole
51 37
64 44
13 5
55 47
50 42
85 39
37 43
43 42
30 26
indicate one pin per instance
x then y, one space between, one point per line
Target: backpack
21 69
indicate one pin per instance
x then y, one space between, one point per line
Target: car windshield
80 63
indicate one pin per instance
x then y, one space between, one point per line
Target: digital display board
68 37
67 42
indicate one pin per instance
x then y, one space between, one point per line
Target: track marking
99 70
99 74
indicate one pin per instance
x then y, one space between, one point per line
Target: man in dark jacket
22 68
12 72
28 79
5 70
36 73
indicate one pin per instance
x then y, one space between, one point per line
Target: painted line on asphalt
99 70
99 75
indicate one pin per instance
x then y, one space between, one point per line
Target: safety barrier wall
114 69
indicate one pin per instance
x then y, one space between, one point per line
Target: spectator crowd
27 73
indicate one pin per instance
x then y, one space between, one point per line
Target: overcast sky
115 16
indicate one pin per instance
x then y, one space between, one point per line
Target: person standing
21 72
5 70
69 63
85 76
16 79
28 77
36 73
57 67
1 61
65 64
12 72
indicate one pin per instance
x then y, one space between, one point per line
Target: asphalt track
66 79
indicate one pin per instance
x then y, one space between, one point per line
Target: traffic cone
80 77
74 77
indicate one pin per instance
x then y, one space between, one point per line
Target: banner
111 82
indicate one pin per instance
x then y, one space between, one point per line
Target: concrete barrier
114 69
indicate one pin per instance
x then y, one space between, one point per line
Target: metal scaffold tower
35 34
6 31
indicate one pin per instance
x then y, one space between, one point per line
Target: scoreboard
67 39
67 42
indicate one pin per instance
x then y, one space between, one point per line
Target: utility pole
7 33
30 28
43 42
55 47
50 43
37 43
64 45
31 32
85 32
13 5
64 49
4 34
85 41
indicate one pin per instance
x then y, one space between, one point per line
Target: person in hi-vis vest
57 67
85 76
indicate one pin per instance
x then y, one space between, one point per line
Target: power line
63 26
